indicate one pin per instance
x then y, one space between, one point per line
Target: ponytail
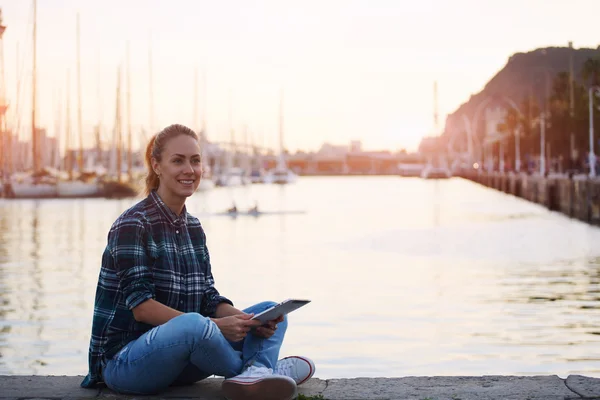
152 180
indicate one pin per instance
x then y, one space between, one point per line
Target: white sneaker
259 383
300 369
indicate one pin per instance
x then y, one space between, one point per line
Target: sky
346 69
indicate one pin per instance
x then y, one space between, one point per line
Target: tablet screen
282 308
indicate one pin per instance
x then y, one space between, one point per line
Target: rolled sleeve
211 300
137 286
127 242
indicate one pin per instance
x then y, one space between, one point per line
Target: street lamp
571 106
592 156
472 125
518 149
543 113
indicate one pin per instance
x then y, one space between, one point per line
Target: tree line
566 120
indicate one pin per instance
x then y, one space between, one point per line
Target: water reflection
44 287
407 277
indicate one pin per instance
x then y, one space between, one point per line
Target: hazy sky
349 69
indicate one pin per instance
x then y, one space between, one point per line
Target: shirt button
176 231
180 301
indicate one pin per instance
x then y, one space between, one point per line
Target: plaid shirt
152 253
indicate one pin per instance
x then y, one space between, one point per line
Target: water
407 277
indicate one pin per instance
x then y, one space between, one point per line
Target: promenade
409 388
577 197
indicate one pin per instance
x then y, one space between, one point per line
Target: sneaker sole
311 367
266 389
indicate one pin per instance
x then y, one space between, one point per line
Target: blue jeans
187 349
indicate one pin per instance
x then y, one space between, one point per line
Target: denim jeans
186 349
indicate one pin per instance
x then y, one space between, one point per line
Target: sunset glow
349 69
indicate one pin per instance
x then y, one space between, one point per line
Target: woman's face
180 168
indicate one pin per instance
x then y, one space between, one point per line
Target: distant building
355 146
432 145
48 150
332 151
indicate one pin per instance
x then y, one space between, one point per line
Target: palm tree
591 69
509 128
530 112
559 118
591 73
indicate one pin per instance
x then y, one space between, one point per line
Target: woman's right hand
236 327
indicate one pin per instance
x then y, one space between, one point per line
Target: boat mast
98 132
203 106
118 125
203 140
150 86
436 125
281 121
5 136
34 136
230 158
195 113
281 155
129 146
68 149
56 159
79 120
21 155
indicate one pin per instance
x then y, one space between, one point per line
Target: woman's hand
267 330
236 327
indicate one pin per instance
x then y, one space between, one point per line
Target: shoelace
257 371
284 367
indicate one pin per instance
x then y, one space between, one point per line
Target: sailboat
41 182
440 169
229 175
86 185
115 187
281 174
206 183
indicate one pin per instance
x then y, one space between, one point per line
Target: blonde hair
155 148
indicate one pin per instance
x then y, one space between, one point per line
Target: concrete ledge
409 388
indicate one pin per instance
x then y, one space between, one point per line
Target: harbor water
406 276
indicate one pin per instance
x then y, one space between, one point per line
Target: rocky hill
523 74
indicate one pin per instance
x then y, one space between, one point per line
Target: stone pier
577 197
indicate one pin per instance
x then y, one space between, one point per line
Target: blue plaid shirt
152 253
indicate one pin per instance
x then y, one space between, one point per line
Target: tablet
285 307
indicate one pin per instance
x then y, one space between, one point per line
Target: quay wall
577 197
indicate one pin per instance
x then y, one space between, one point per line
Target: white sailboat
86 185
32 186
79 188
232 176
40 182
440 169
206 182
281 174
229 175
436 172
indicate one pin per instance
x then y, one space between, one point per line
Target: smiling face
179 169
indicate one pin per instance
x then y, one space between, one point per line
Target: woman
158 319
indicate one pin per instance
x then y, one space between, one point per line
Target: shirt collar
166 212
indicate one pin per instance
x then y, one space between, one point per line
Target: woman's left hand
267 330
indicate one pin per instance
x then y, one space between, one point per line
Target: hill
523 74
